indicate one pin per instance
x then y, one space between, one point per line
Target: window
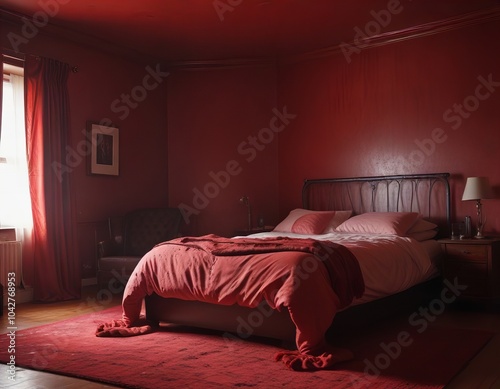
15 204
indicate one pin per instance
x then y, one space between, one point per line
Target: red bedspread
312 279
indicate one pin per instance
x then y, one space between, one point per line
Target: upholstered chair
141 230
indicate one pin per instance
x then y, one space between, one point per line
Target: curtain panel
56 267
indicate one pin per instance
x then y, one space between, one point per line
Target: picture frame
104 153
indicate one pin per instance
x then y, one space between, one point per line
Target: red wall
378 115
392 110
212 162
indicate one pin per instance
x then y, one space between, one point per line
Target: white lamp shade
477 188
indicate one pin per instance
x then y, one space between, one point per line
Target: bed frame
428 194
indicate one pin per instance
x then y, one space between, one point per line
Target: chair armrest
109 248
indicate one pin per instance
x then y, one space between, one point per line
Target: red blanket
312 279
342 266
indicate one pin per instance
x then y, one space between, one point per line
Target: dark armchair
141 230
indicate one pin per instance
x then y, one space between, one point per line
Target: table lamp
477 188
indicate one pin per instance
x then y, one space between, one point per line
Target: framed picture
104 151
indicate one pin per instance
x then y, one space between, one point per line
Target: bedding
422 236
397 223
422 225
389 263
304 221
423 230
313 223
286 273
282 270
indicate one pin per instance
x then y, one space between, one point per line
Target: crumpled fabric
295 360
122 328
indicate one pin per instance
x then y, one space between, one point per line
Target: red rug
175 358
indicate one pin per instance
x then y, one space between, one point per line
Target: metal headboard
428 194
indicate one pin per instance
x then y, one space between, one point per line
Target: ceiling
201 30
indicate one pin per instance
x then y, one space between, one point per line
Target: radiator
10 261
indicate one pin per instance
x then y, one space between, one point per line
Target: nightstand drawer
467 270
467 252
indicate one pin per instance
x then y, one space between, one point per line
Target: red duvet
312 279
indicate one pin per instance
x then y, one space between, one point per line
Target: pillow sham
422 235
393 223
312 223
422 230
335 218
422 225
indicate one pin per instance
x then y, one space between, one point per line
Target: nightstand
475 263
254 230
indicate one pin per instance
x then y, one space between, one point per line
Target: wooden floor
482 372
31 315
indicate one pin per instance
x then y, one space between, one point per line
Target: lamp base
479 235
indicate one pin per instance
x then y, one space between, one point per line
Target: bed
355 243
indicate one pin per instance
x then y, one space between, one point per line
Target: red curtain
56 267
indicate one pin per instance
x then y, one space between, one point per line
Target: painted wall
422 105
419 106
220 147
99 91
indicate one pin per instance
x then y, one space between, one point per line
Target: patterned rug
175 357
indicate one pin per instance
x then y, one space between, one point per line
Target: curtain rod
14 58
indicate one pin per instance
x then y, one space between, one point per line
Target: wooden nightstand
475 263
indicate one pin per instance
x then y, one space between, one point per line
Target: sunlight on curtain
15 203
